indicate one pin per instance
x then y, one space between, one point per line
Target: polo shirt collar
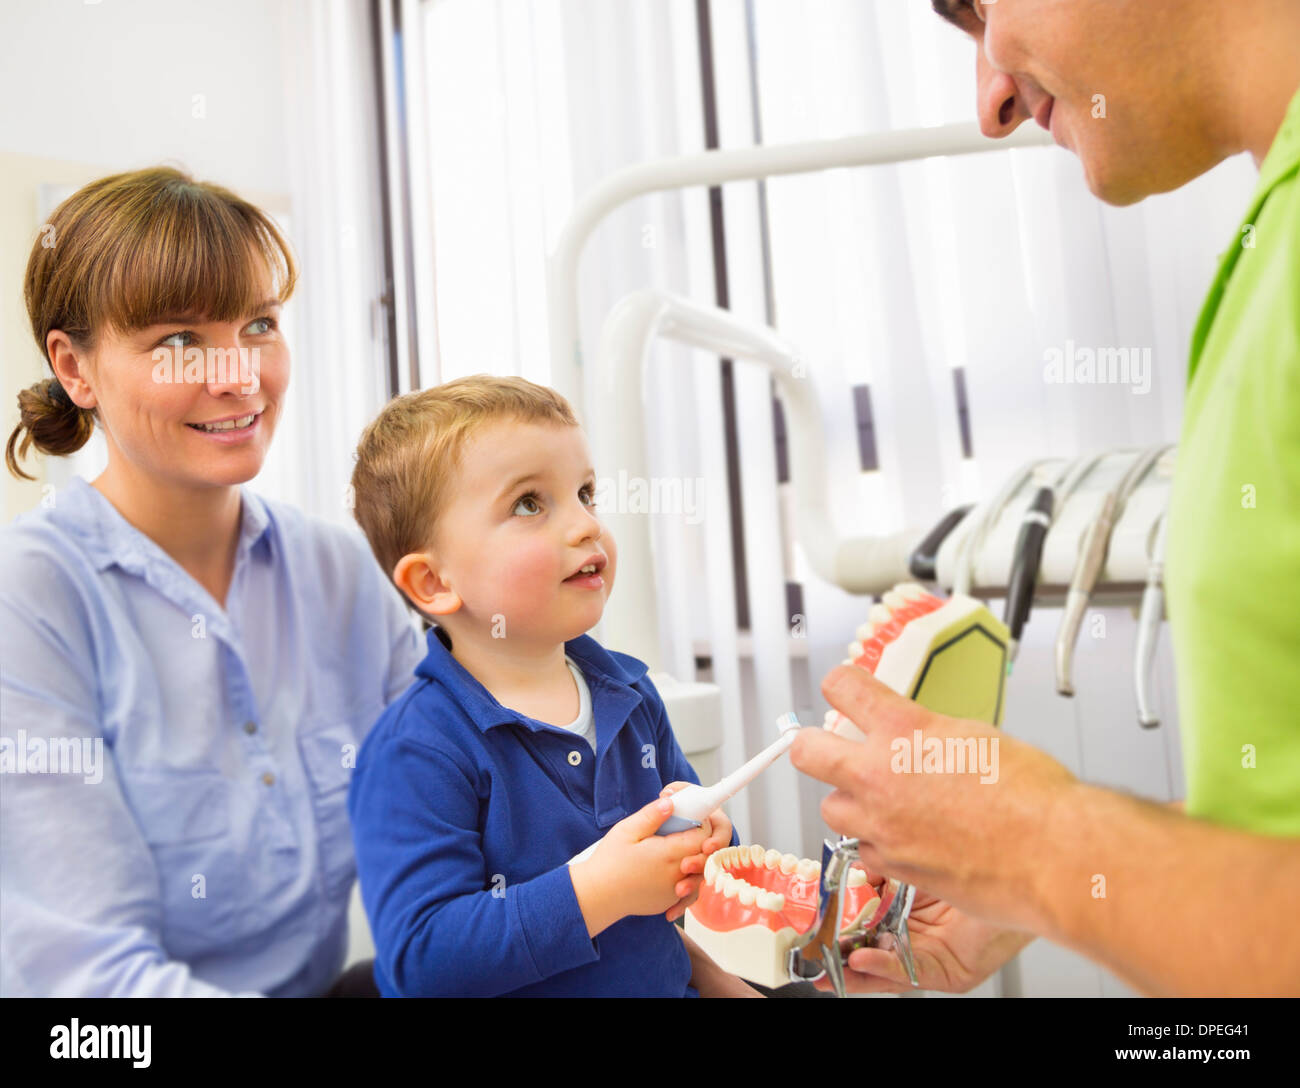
598 665
1281 162
1283 156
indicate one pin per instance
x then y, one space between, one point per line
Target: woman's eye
531 500
172 340
269 322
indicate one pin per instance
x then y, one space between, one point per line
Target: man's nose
1000 104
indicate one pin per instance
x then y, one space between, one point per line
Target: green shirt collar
1284 156
1282 160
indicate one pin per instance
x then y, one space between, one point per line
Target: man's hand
952 953
970 835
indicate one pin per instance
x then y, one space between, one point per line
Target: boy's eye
589 495
531 499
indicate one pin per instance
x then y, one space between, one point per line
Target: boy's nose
585 526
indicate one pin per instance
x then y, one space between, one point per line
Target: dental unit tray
773 918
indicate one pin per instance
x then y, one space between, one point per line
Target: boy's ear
415 576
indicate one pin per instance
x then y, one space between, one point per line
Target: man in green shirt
1137 886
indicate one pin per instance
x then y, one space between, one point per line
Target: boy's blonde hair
408 455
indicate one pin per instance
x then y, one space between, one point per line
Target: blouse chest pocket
185 818
329 750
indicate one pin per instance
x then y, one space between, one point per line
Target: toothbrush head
788 721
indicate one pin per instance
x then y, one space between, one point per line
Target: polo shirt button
268 779
575 758
250 728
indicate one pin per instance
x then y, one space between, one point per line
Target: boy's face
519 524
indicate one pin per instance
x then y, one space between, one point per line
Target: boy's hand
633 870
688 888
709 979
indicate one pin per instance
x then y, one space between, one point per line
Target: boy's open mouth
589 572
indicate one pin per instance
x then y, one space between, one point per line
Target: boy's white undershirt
582 724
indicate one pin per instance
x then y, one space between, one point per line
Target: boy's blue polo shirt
465 814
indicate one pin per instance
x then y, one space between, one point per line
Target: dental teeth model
756 906
949 656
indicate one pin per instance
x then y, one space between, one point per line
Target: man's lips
1043 114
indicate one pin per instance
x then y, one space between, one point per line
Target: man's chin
1117 189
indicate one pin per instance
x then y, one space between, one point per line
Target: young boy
522 741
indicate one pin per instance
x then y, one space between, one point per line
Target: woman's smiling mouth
229 429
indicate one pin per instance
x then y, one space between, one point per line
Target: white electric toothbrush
692 804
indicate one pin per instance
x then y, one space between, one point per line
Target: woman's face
167 395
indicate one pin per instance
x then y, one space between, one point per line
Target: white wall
120 82
96 88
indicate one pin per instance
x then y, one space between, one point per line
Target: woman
222 654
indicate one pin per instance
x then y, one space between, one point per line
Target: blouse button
250 728
268 779
575 758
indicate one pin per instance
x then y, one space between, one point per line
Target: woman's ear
68 364
416 576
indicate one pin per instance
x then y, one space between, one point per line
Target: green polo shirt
1233 555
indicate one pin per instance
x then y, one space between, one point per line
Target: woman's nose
232 367
1001 107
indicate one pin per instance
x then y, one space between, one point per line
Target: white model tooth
729 856
772 859
809 870
829 718
857 877
756 853
789 863
771 901
894 600
711 869
729 885
879 614
855 650
865 631
747 893
742 853
910 590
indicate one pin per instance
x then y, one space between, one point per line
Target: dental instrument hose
1027 558
1024 567
1153 607
1092 557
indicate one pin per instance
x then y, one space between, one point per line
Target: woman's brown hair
120 254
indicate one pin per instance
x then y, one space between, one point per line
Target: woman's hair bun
50 421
